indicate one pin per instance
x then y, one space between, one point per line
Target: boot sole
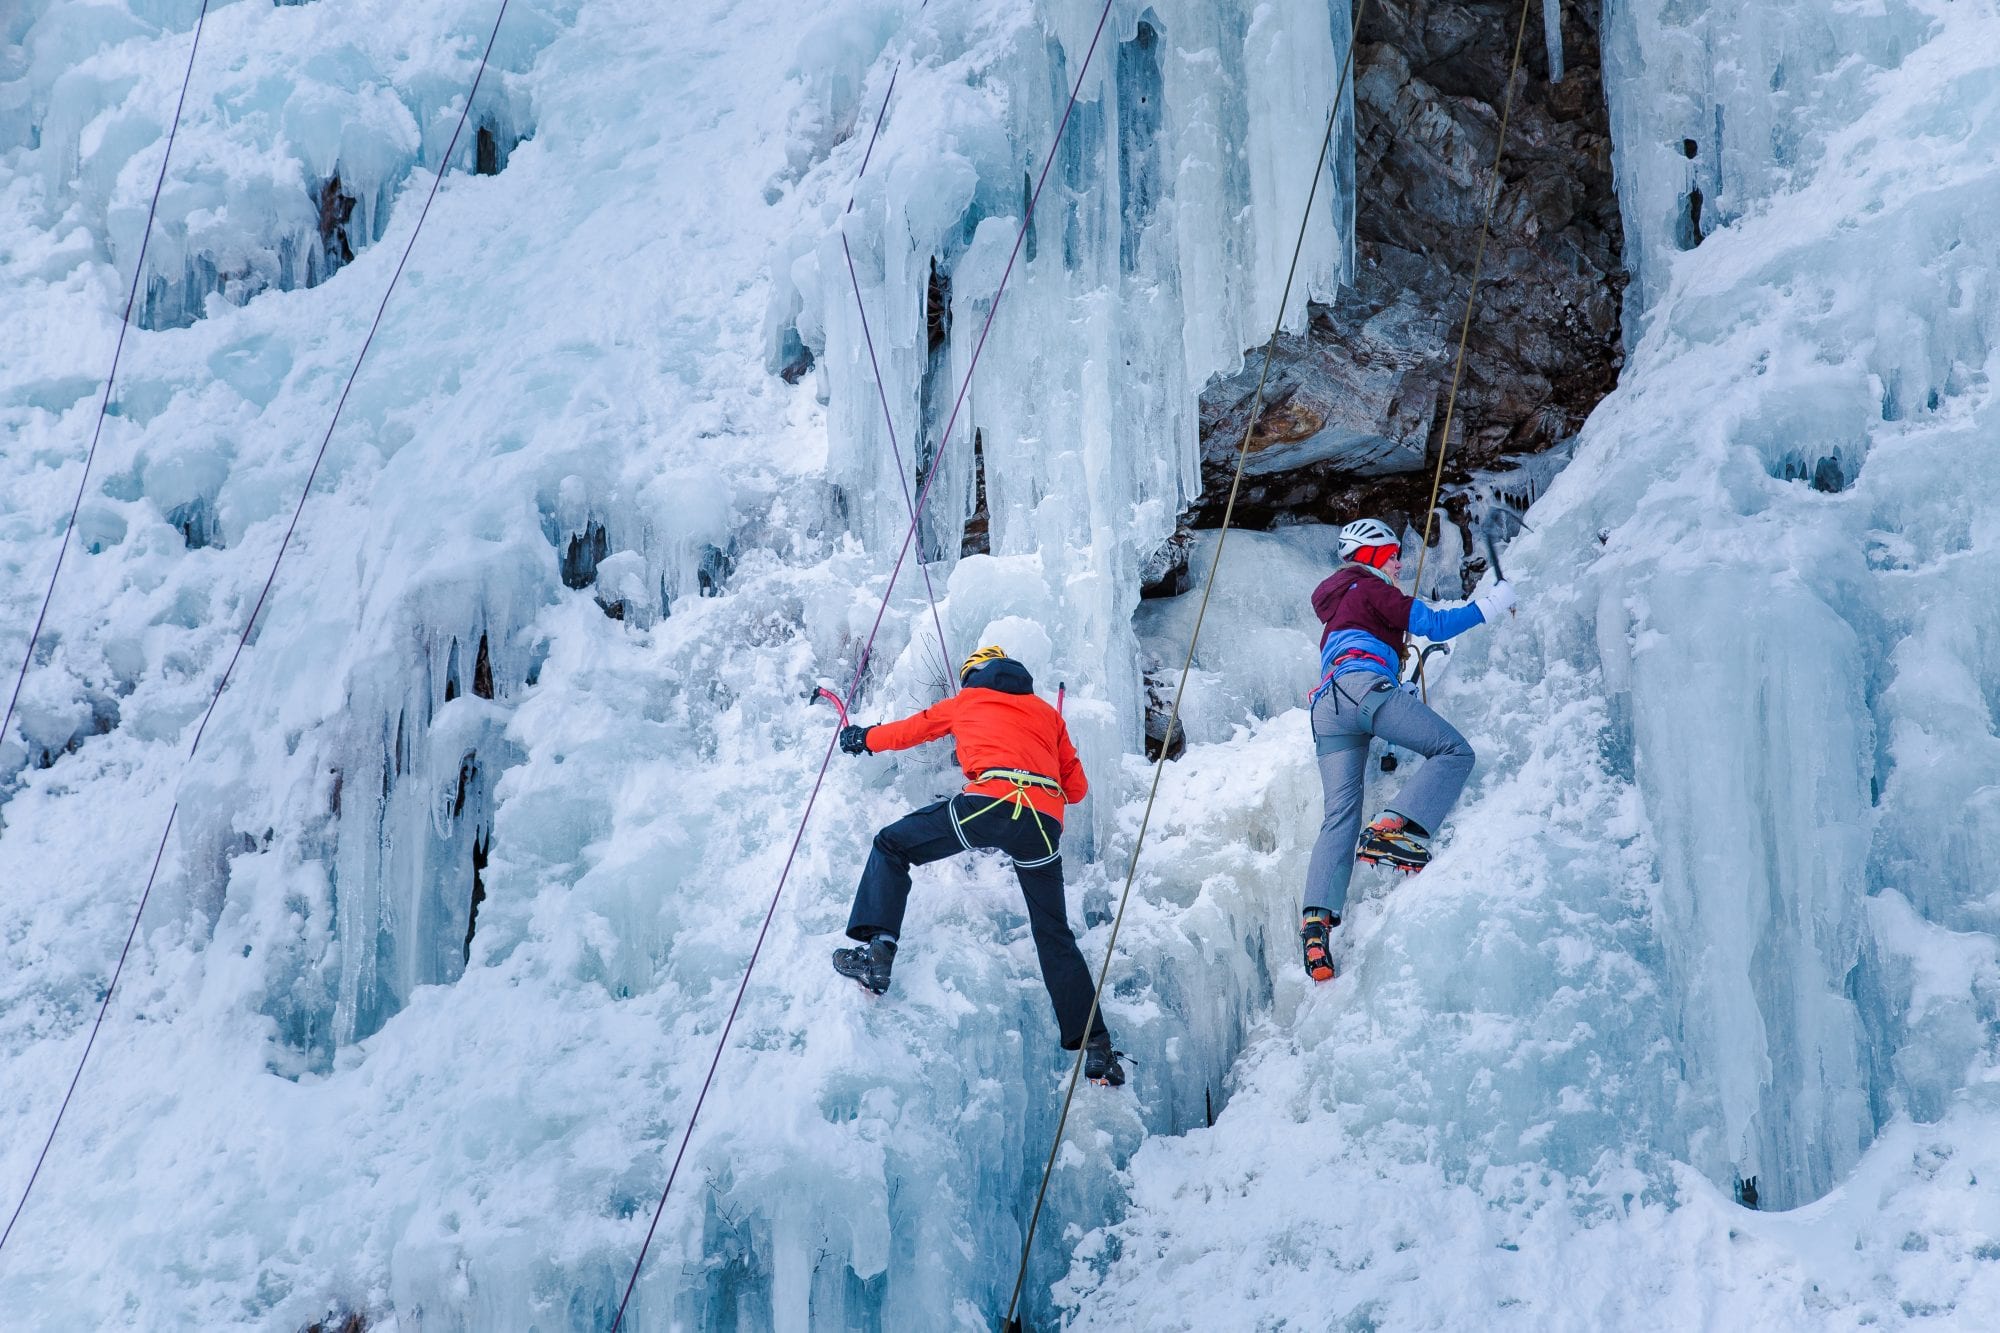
862 984
1391 863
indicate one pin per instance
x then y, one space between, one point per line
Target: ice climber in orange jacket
1021 770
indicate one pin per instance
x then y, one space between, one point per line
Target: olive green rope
1472 296
1187 667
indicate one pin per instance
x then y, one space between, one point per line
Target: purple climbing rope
104 404
250 624
881 390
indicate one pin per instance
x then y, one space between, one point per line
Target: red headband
1378 556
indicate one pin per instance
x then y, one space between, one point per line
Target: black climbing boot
1100 1062
1316 938
868 963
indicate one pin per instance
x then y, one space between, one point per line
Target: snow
315 1093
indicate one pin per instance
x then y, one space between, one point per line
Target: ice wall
1698 911
1714 110
1816 391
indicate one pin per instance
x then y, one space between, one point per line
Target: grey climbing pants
1343 720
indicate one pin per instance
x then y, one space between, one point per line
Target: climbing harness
1013 1323
1340 664
1018 799
1472 296
1022 780
243 640
110 380
1369 704
881 610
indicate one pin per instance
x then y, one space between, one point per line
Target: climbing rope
1472 296
250 624
104 404
1013 1324
1173 716
881 390
861 666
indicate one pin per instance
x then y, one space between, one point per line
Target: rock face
1356 405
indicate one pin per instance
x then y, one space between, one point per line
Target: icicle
1552 34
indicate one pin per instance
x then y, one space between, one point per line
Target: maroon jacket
1367 621
1351 598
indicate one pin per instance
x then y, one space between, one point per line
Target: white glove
1495 601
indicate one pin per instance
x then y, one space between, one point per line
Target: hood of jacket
1005 675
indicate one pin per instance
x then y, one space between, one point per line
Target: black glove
854 740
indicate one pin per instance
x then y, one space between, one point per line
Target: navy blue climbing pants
968 823
1343 720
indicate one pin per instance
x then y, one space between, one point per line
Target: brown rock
1355 406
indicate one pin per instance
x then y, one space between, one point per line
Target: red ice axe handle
824 693
1062 688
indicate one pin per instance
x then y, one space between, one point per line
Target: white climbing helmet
1363 533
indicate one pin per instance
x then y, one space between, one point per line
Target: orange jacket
997 729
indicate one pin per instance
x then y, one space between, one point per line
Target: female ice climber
1359 696
1021 770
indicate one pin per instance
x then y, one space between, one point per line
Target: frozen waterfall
467 870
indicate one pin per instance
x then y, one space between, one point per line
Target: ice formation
469 867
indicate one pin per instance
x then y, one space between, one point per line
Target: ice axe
1487 510
822 692
1493 558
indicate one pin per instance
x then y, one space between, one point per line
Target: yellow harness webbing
1018 797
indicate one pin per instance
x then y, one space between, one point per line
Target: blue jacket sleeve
1439 623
